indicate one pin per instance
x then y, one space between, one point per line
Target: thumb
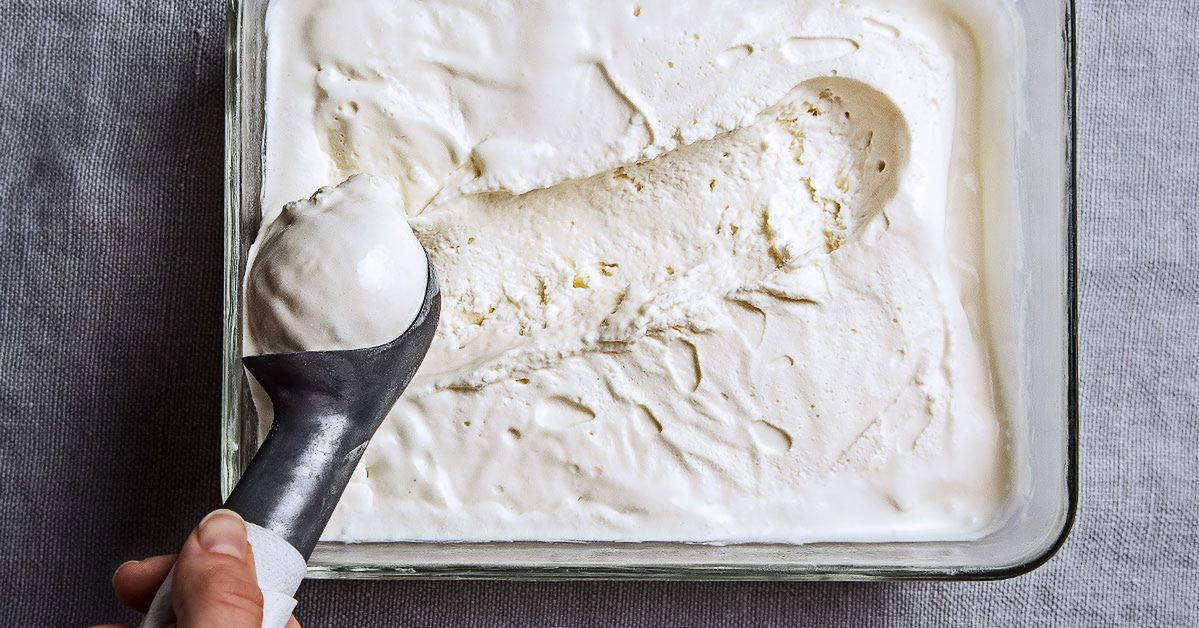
214 581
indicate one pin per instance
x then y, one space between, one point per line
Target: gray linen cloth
110 273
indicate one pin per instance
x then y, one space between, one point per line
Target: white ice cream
340 270
708 268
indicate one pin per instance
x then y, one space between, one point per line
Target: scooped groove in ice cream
709 270
340 270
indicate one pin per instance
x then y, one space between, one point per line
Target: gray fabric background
110 198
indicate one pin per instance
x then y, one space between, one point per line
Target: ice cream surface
340 270
709 269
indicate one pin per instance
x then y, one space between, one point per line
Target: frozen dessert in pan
710 271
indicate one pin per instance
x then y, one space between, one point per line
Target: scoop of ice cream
340 270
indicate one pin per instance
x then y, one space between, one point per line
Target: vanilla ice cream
709 269
340 270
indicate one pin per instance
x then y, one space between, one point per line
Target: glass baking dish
1037 373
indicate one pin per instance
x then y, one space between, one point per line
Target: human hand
214 582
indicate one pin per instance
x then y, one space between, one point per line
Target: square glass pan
1038 370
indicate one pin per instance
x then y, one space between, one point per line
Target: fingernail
223 532
122 566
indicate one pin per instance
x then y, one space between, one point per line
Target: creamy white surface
708 269
340 270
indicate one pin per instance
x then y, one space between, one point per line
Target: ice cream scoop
339 270
345 256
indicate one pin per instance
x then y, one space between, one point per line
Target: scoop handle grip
278 566
296 478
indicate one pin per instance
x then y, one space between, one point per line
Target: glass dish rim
231 457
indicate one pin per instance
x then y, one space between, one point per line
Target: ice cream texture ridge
709 271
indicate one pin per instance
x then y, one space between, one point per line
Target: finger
292 622
214 577
136 582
